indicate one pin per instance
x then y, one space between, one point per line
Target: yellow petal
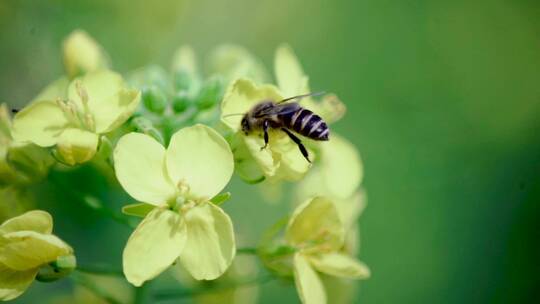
312 185
210 247
76 146
292 81
40 123
293 165
24 250
201 159
315 224
98 86
233 62
115 110
341 166
139 162
245 165
289 74
349 209
154 245
82 54
35 220
267 162
5 124
330 108
13 283
57 89
308 283
241 96
339 290
340 265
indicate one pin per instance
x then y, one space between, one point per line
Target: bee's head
245 125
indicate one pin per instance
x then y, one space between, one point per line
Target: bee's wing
279 109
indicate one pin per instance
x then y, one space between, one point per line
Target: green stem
101 209
175 293
100 269
91 202
246 250
80 279
142 293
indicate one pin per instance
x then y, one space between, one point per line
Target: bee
288 117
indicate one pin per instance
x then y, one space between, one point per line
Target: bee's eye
245 126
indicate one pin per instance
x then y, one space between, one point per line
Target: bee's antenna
302 96
234 114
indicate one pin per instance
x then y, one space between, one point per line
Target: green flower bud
182 101
154 99
210 93
58 269
182 80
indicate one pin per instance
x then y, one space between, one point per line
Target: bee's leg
266 125
298 142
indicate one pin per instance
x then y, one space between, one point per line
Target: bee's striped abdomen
307 124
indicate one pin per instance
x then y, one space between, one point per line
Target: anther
183 187
89 122
81 91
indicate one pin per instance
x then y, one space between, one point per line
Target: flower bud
82 54
182 101
211 93
182 80
58 269
154 99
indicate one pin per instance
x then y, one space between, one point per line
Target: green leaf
221 198
138 209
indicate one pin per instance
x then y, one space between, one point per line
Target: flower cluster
26 245
173 141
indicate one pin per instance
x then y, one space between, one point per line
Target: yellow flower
317 234
179 182
26 244
82 54
72 116
338 176
281 160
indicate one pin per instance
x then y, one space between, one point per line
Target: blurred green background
443 102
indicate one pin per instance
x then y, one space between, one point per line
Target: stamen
62 105
183 187
89 122
188 205
81 91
